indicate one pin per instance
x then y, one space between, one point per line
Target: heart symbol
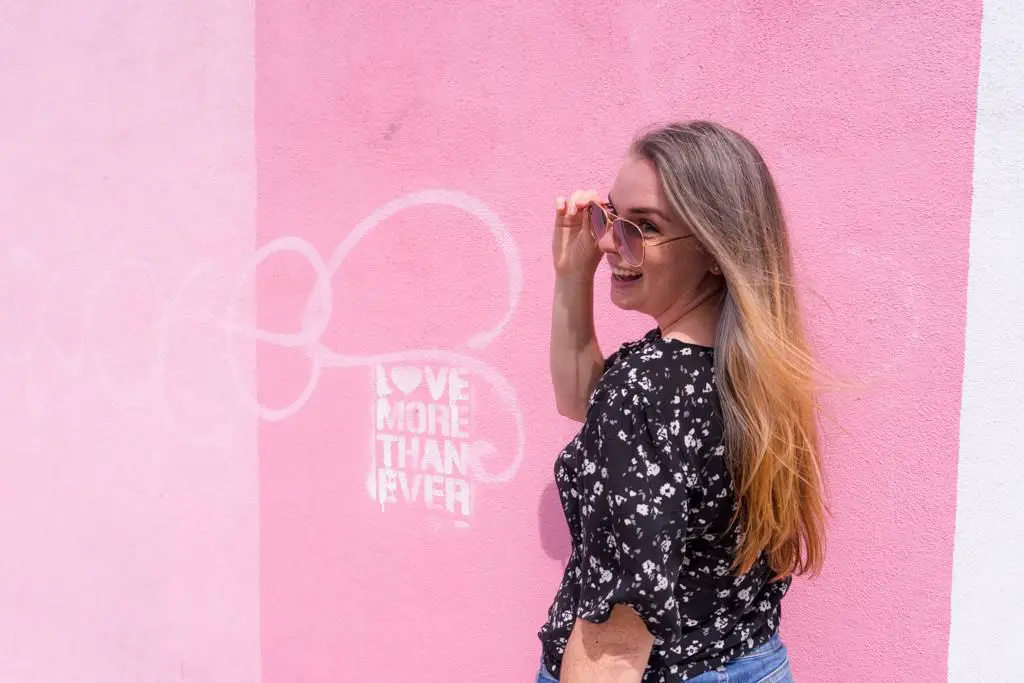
406 378
318 315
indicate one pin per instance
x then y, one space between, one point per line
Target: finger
576 202
560 204
585 197
592 196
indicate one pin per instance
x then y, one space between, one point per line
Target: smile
623 275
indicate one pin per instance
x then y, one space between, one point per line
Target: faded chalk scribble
169 310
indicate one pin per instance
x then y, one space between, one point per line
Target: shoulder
665 388
659 368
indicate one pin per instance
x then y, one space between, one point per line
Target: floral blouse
649 499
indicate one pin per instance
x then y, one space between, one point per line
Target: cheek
671 276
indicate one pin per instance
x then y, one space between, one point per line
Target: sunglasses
629 238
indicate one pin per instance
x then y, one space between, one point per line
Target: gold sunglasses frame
609 221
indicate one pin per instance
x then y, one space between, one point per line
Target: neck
695 320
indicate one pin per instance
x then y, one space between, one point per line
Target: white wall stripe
987 631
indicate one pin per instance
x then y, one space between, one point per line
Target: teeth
624 273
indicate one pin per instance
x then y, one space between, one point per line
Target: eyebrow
642 210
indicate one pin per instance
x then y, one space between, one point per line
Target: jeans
766 664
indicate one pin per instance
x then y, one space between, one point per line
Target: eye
649 228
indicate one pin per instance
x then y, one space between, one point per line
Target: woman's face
672 275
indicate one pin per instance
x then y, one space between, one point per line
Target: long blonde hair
718 184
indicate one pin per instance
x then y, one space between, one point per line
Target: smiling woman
693 489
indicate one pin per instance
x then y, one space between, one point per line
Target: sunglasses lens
630 241
598 220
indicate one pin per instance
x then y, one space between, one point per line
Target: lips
624 274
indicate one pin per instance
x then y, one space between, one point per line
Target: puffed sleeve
620 353
611 360
633 511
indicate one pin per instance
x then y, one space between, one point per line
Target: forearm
576 360
606 653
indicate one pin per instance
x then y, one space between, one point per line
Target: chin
625 301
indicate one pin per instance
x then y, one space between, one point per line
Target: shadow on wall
554 534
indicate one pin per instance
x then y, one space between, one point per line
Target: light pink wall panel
128 480
408 156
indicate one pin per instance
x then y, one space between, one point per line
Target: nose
607 242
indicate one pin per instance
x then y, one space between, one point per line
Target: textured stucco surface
865 112
300 429
128 471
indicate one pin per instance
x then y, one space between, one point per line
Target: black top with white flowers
649 500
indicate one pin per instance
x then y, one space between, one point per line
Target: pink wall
128 472
492 109
387 173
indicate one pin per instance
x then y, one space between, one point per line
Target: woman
693 490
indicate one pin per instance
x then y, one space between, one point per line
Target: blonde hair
718 184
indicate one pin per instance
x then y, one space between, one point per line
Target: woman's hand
573 247
616 651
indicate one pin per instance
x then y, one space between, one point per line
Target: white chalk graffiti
58 342
318 315
35 345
